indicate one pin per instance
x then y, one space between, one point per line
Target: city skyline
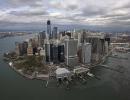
65 49
31 14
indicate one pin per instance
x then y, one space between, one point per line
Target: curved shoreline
31 77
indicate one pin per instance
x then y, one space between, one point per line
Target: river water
113 85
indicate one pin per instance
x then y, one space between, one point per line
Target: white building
62 73
126 45
80 70
42 52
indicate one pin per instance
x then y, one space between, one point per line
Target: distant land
41 27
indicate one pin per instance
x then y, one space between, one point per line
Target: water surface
112 86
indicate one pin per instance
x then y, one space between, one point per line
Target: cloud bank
98 13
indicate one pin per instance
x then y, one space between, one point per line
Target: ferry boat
11 64
90 74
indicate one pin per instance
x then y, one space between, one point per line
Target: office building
71 58
55 32
18 49
41 38
98 42
51 52
47 51
49 33
21 48
86 53
25 46
55 54
30 48
79 53
61 55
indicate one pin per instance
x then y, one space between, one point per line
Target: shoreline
31 77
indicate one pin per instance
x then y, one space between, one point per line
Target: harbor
115 84
67 77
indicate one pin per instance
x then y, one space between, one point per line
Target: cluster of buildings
121 42
28 48
69 47
73 48
11 34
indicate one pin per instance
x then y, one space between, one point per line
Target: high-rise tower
55 33
71 58
49 29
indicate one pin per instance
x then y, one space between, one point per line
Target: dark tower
49 28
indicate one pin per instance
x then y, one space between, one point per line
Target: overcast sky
96 13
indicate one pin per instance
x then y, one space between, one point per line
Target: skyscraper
30 48
21 48
61 53
25 46
71 58
42 36
54 32
47 51
49 29
86 53
55 53
18 49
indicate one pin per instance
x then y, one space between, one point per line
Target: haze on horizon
94 14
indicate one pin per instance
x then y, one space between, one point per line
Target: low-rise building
62 73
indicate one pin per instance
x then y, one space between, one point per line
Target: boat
11 64
90 74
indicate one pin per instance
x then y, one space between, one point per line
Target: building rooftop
62 71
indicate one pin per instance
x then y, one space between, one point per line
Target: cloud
31 12
86 12
21 3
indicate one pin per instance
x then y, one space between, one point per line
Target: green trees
30 64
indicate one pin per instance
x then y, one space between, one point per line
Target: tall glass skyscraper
54 32
49 29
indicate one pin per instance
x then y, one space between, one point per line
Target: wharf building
63 73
